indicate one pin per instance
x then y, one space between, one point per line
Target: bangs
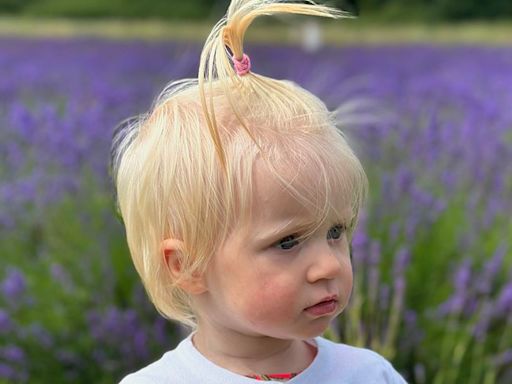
324 176
313 164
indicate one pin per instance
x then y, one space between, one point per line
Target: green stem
477 364
446 345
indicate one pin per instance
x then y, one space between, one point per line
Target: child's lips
324 307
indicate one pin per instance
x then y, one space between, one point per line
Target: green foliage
13 6
161 9
436 10
469 9
413 10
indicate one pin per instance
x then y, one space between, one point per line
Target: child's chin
315 331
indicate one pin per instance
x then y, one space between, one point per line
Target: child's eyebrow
280 229
275 231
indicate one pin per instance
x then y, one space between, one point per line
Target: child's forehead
270 195
287 192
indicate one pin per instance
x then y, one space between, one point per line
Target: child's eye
335 232
287 242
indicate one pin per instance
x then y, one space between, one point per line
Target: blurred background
423 90
417 10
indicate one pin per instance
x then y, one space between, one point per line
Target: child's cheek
272 300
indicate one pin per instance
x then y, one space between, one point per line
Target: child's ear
172 252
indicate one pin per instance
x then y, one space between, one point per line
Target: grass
338 33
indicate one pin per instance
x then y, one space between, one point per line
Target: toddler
240 197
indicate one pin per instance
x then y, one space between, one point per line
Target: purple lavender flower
5 322
504 358
491 268
459 300
463 276
60 274
67 357
504 302
7 372
482 326
41 335
14 285
384 297
402 260
12 354
112 328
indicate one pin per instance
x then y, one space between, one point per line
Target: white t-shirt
334 363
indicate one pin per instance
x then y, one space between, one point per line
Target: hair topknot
227 40
184 170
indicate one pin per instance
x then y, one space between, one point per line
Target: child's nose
325 262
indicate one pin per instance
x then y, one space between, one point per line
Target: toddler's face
266 281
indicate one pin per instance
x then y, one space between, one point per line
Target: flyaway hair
185 169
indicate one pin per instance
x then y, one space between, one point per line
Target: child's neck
246 355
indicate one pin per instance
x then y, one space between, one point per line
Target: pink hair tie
243 65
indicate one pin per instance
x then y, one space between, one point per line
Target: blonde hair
185 169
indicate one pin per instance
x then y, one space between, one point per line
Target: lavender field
433 257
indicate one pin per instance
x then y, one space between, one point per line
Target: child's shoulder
166 370
355 364
156 372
